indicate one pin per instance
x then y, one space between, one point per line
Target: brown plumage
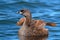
31 27
37 22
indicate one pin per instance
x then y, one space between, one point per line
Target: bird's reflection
33 38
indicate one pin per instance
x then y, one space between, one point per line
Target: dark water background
47 10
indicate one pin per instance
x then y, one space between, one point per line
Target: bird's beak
19 12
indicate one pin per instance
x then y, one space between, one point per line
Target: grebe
31 27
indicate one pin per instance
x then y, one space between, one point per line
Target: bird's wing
51 24
21 21
39 23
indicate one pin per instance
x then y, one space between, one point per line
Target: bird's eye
22 10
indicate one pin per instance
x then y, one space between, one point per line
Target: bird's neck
28 19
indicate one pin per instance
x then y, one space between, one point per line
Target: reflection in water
32 38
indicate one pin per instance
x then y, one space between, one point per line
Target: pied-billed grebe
31 27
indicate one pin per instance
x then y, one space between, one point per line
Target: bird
32 27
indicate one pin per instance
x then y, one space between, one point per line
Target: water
47 10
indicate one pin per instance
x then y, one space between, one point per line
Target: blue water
47 10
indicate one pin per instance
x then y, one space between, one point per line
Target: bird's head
24 12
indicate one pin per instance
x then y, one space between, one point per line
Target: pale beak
19 12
